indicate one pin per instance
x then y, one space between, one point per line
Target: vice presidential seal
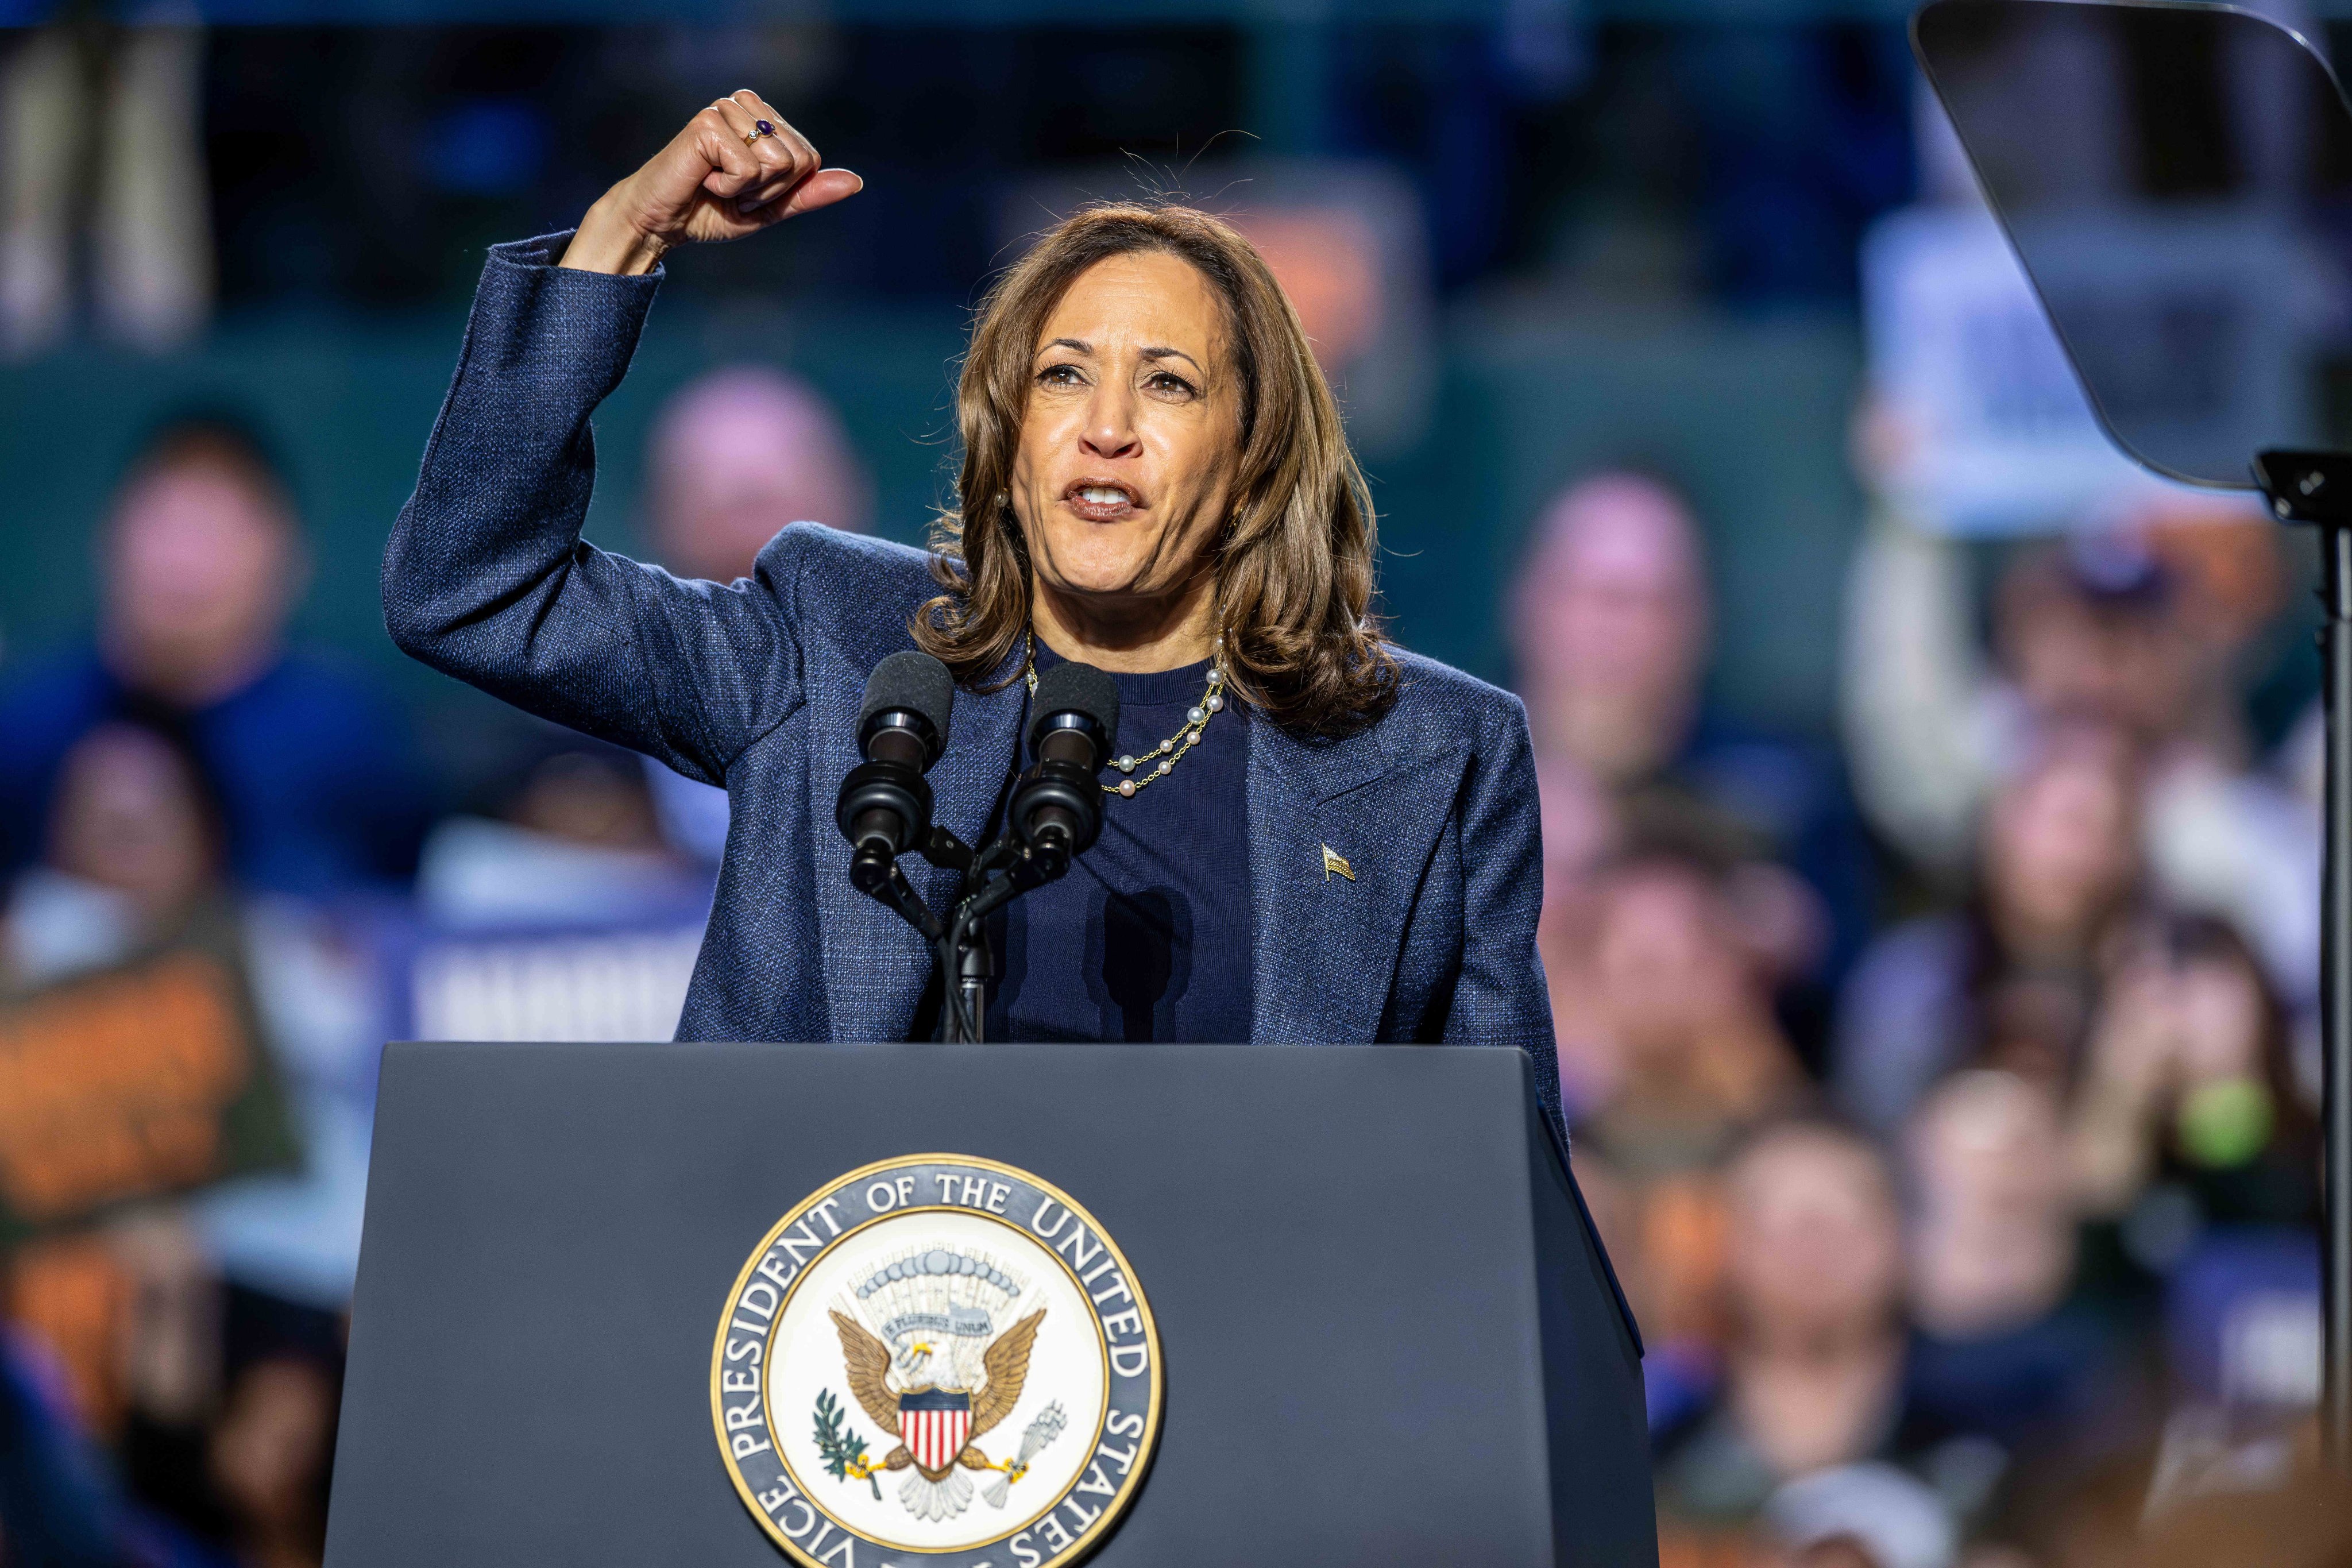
938 1360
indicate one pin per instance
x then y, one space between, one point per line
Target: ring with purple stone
759 128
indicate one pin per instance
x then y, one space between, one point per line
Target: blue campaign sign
519 935
607 981
1999 438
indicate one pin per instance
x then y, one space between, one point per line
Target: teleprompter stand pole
2316 489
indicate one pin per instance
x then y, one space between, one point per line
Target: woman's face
1666 969
128 818
2062 847
1127 453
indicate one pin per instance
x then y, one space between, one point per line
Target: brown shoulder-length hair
1294 560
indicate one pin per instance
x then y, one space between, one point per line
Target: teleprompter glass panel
2177 180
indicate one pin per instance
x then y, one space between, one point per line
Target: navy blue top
1147 936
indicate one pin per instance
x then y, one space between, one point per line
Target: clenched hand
709 184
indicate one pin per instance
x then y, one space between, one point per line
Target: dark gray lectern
1390 1333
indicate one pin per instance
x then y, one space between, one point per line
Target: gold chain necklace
1196 719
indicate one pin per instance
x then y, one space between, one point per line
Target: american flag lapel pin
1334 861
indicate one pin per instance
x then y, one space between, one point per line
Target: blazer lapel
1341 833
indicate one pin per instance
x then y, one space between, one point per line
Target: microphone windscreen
1074 687
914 682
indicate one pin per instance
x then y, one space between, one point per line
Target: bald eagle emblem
936 1361
928 1364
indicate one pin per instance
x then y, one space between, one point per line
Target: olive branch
841 1448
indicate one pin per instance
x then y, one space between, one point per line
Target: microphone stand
992 878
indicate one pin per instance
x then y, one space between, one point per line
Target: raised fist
722 177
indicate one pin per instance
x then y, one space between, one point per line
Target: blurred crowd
1948 1109
170 1368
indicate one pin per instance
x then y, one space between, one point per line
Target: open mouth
1101 501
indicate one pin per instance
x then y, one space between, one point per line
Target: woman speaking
1309 834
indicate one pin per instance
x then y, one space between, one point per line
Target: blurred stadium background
1929 797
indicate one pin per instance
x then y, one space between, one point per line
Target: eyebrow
1150 354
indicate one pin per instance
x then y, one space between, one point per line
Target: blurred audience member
134 849
1666 991
2003 1349
1610 627
2012 979
2189 1083
1813 1371
735 455
577 841
1664 1007
201 563
1992 1237
142 1315
2143 626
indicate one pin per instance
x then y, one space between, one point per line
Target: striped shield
934 1424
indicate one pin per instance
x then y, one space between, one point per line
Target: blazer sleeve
1499 995
486 577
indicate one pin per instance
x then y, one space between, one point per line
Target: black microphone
1057 807
885 805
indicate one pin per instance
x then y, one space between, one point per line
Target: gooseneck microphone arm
885 805
1054 814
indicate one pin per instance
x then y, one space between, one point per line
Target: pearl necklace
1196 719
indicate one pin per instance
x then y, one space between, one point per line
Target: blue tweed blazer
755 686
